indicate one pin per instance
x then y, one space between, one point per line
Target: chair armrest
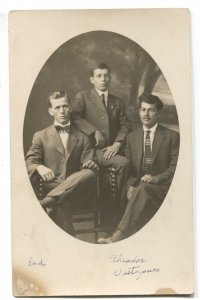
38 186
108 181
113 183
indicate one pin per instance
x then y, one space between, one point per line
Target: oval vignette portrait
100 137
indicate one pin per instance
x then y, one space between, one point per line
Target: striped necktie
147 153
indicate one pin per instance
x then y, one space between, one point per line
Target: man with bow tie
63 157
152 151
102 117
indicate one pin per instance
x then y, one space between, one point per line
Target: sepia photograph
106 166
102 142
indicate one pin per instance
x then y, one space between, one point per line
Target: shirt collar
100 92
152 129
62 125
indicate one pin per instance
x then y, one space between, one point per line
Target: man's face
60 110
101 79
149 114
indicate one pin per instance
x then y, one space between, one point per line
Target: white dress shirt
64 136
105 93
151 134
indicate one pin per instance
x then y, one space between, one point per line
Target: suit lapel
56 141
158 139
140 145
72 141
111 105
97 100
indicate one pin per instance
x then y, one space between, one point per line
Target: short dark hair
57 95
101 66
151 99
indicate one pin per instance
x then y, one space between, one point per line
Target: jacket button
103 118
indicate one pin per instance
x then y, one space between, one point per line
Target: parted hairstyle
57 95
101 66
151 99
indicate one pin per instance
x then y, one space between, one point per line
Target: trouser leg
79 186
63 218
113 207
74 184
141 207
121 165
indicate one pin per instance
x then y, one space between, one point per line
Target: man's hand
149 179
46 173
99 138
130 192
90 164
111 151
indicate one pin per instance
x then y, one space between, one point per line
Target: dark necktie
63 128
103 100
147 153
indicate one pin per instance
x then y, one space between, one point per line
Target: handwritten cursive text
36 263
134 267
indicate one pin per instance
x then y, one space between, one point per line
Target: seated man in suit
63 157
102 117
152 151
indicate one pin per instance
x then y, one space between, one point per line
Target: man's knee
121 162
145 190
88 175
144 187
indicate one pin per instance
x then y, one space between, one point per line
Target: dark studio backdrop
133 71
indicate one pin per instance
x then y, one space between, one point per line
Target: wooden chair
106 185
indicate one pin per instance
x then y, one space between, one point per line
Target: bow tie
63 128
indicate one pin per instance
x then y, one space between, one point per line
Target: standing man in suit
152 151
63 157
102 117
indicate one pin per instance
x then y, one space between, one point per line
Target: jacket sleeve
167 176
77 115
123 124
131 178
34 156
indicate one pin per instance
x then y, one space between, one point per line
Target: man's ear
50 111
92 79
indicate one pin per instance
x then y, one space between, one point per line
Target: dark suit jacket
47 149
165 151
89 114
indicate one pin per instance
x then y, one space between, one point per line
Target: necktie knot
63 128
148 132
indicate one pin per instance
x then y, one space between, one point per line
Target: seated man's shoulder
83 94
44 131
135 132
170 132
167 131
